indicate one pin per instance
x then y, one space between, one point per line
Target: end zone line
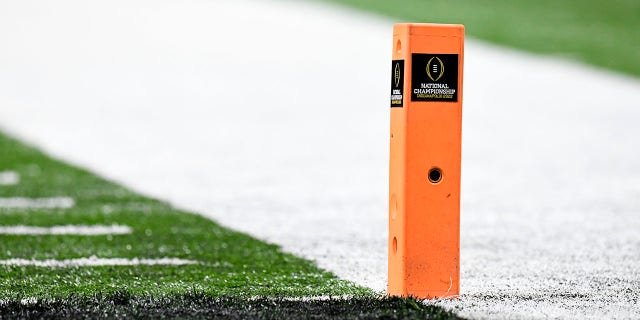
37 203
80 230
96 262
9 178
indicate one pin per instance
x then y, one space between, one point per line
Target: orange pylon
424 168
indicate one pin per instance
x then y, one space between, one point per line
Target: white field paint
79 230
279 127
28 301
96 262
9 178
305 299
33 300
37 203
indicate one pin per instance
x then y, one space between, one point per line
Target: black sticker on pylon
397 83
434 77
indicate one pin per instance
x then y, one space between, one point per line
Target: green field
600 33
199 306
230 263
236 276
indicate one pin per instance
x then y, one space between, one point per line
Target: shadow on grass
122 305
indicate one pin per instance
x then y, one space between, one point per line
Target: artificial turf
601 33
231 263
198 306
237 276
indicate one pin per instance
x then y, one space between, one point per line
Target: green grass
238 277
232 263
198 306
601 33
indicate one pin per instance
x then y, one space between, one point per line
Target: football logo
396 75
435 69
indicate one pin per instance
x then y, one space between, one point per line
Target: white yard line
37 203
9 178
80 230
273 118
96 262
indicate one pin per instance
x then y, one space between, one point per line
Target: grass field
601 33
234 275
199 306
229 263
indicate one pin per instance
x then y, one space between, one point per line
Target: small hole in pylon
435 175
395 245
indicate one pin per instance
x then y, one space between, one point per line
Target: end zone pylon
425 150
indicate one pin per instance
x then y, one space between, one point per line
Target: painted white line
96 262
37 203
307 299
28 301
94 230
9 178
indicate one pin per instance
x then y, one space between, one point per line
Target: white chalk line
94 261
80 230
28 301
305 299
37 203
33 300
9 178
